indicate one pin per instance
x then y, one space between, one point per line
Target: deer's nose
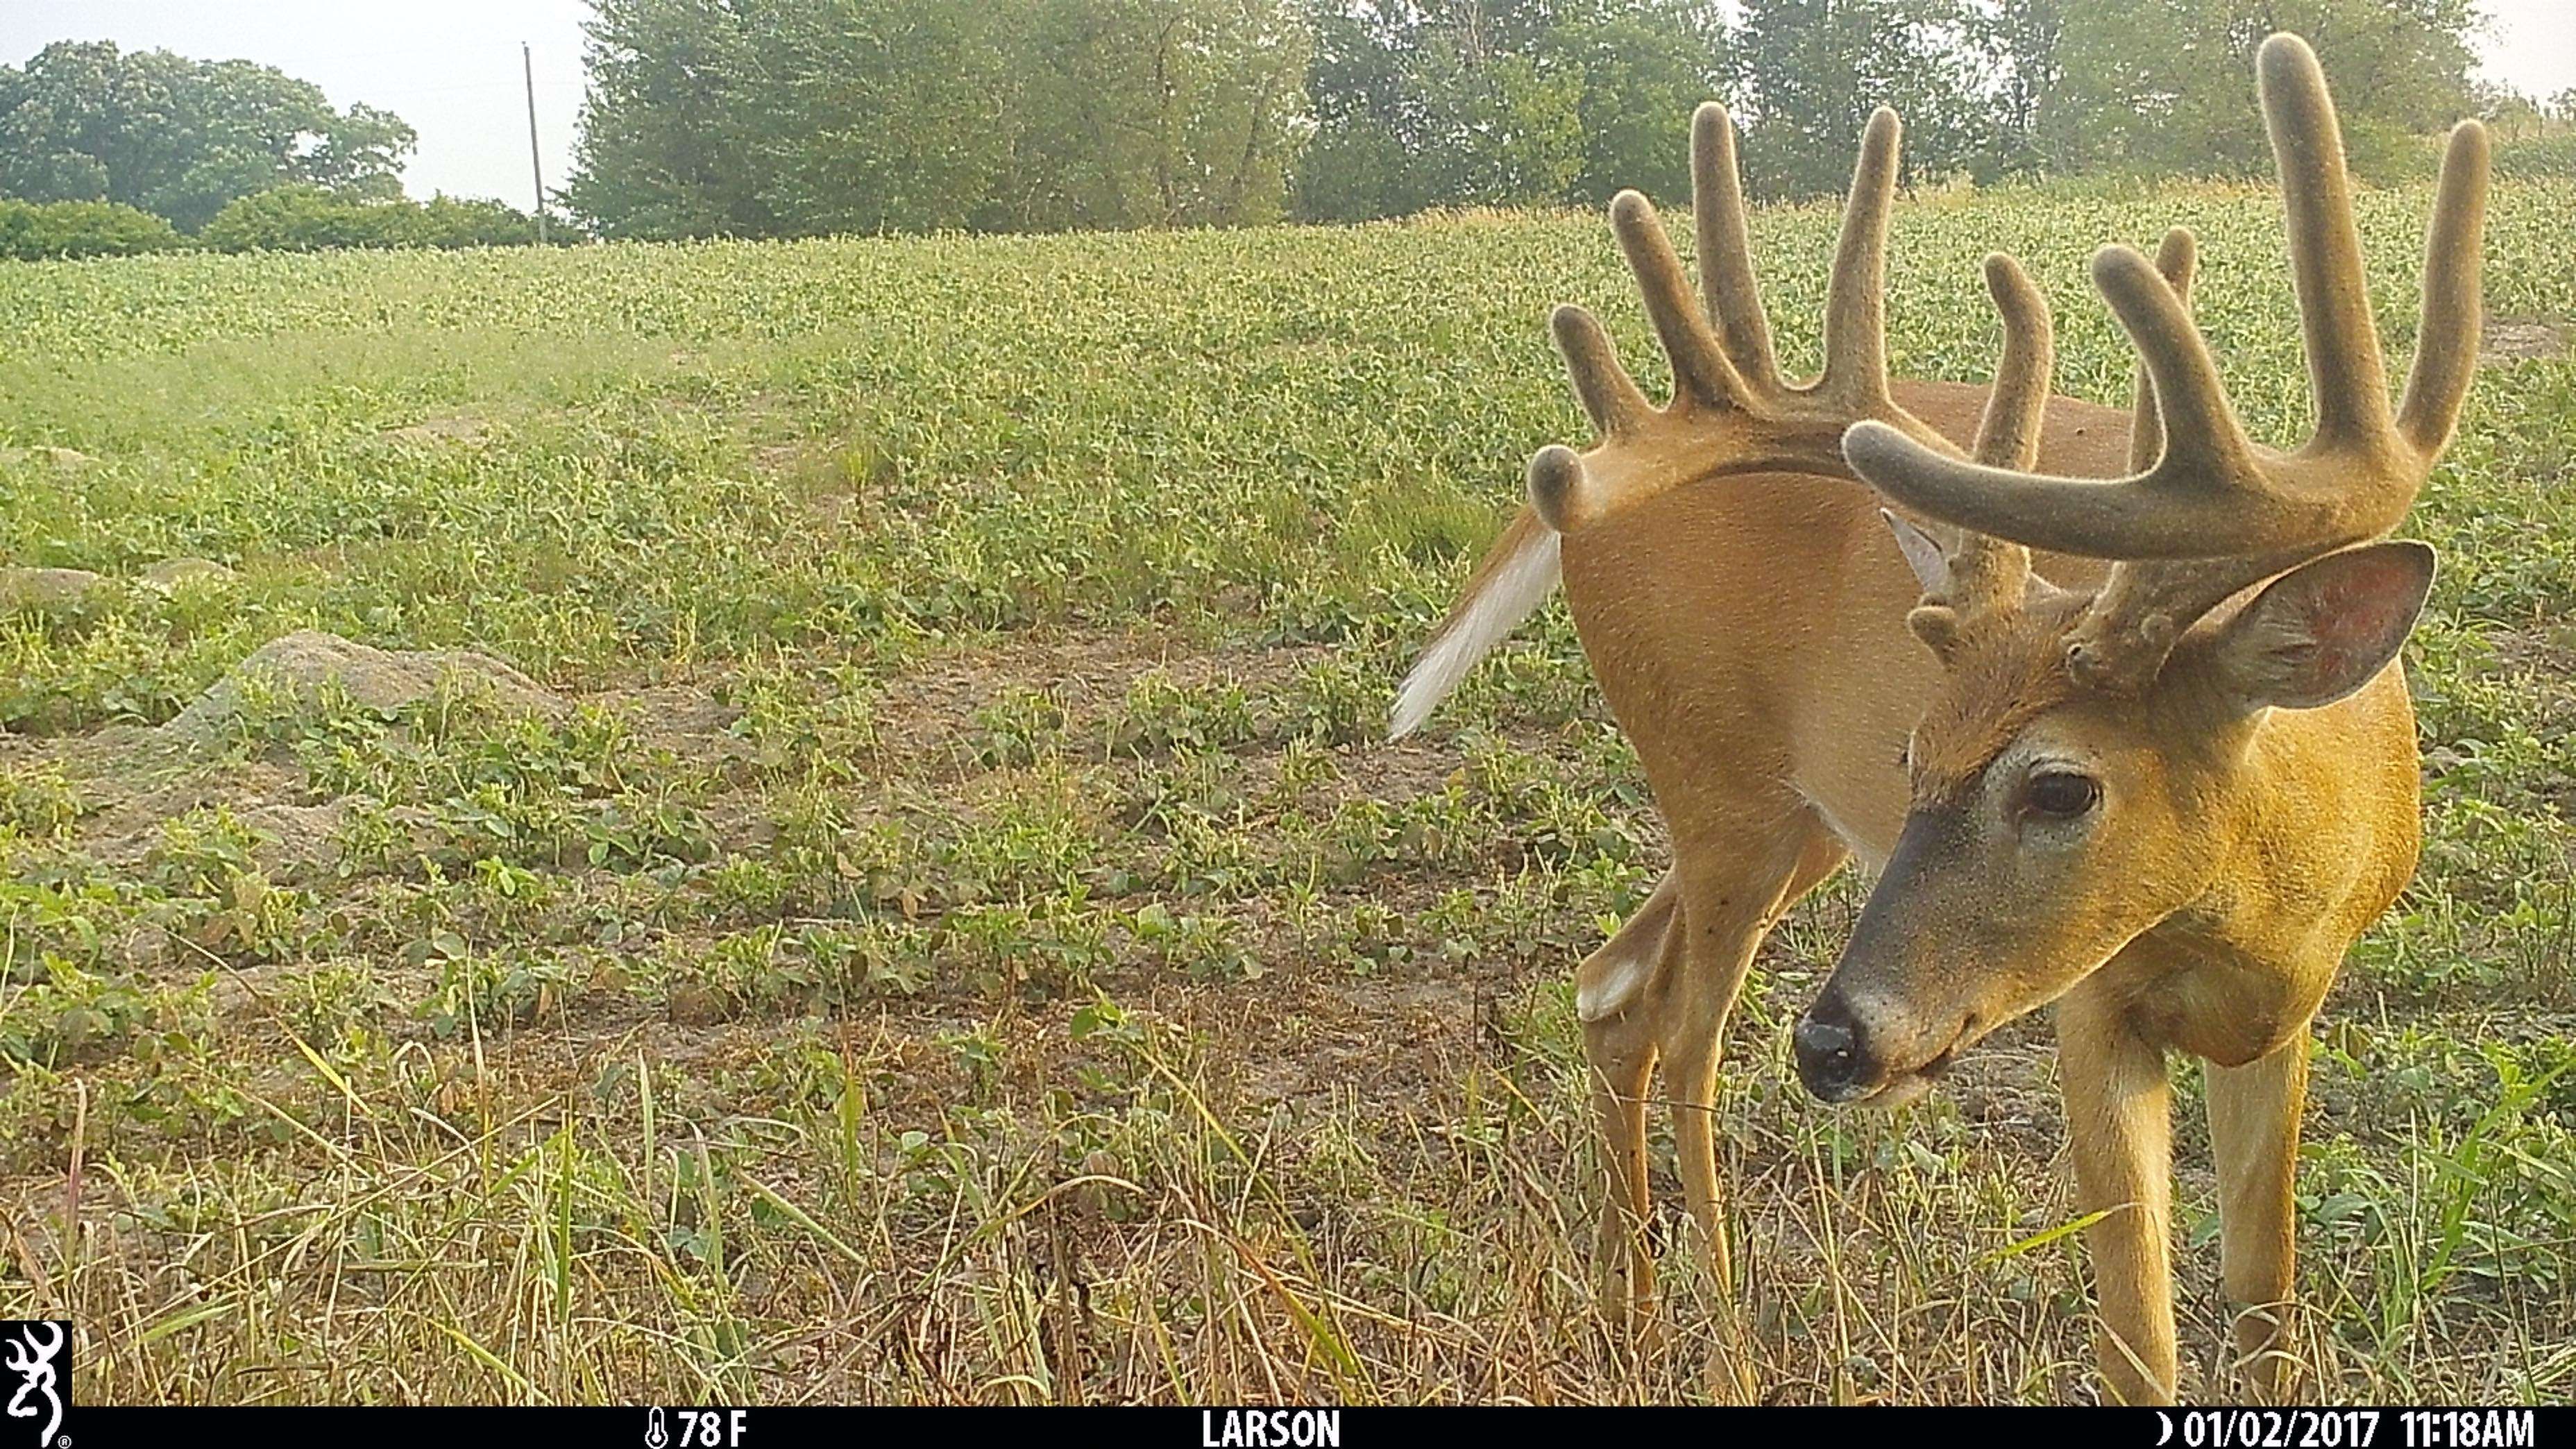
1833 1057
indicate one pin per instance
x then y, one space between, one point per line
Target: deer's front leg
2254 1131
1728 911
2119 1127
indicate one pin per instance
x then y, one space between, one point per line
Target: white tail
1513 580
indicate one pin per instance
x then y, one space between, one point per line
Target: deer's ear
2322 630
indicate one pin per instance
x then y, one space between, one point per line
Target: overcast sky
451 67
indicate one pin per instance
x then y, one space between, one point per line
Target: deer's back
1749 632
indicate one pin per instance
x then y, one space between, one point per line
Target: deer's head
2088 753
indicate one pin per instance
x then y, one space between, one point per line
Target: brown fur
2253 767
1997 680
1770 736
1745 611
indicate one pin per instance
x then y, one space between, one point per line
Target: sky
451 67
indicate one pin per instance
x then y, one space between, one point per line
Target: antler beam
2223 511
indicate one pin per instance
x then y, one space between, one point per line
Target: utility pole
536 157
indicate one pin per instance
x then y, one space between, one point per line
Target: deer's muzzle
1833 1059
1867 1035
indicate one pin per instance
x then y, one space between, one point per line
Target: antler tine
1557 491
2446 345
1610 397
2213 513
1981 575
2344 368
1701 372
2008 433
2212 494
2179 260
1988 573
1729 402
1856 296
1726 248
2205 450
2202 497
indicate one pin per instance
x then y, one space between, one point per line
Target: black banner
752 1427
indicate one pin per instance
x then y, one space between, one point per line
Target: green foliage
1526 101
2161 89
37 801
1813 70
798 117
35 231
181 138
802 117
311 218
1158 112
1994 87
2549 154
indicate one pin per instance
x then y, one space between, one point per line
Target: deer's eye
2061 794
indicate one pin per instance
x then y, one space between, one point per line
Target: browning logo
38 1352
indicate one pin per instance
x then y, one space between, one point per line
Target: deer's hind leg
1611 989
1726 912
1728 906
1662 989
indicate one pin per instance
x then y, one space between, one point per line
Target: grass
958 938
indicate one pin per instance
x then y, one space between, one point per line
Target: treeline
793 117
181 138
802 117
301 218
106 152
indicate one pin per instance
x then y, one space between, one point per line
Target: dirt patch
924 715
2549 647
2508 340
133 780
455 428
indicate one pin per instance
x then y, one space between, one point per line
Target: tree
1645 69
2021 39
2162 86
34 231
888 115
1813 70
673 123
1362 86
1160 112
1503 102
794 117
84 121
304 217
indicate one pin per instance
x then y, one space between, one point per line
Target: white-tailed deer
2104 787
2170 816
